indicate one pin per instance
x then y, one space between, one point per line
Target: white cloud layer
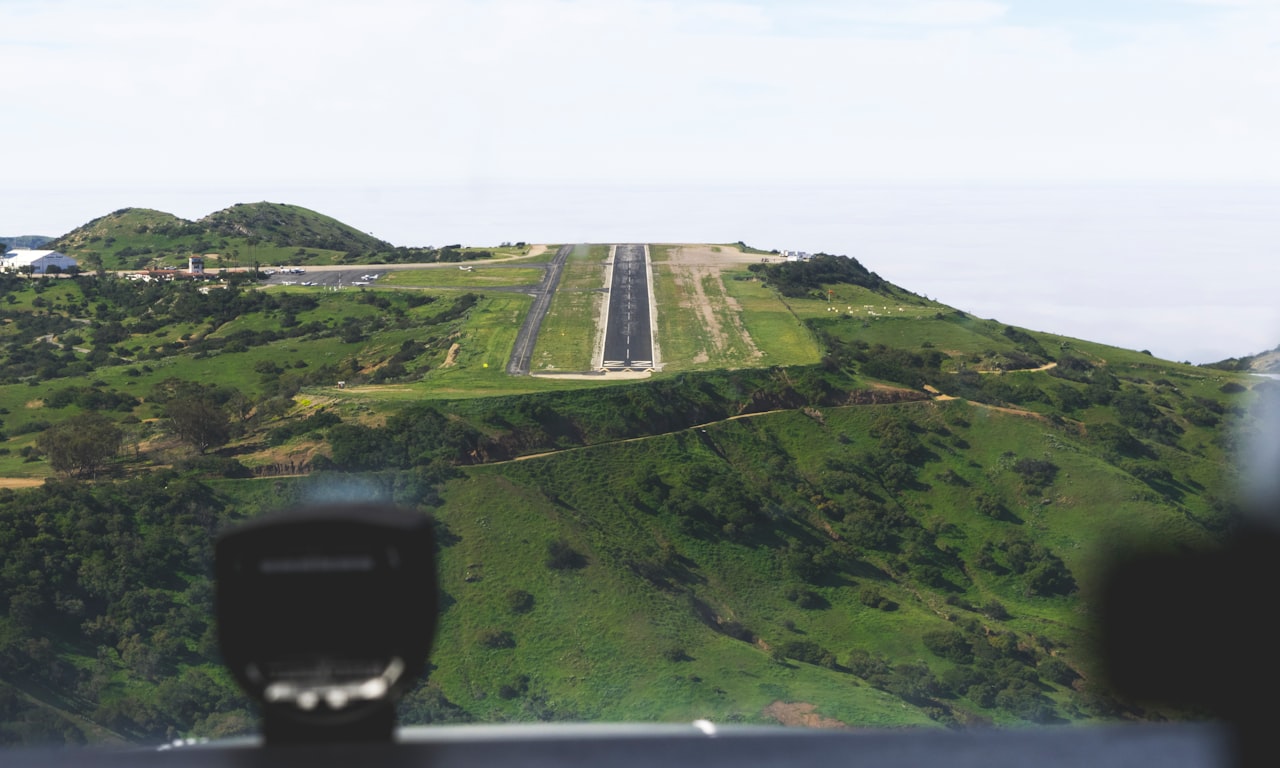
397 91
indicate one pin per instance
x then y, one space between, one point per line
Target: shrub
949 644
1056 670
809 652
514 689
866 665
1050 577
496 638
221 466
1036 472
806 598
519 601
993 609
872 598
561 556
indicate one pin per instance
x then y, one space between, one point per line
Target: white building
39 261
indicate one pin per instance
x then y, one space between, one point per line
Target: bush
1050 577
561 556
1036 472
805 598
949 644
866 665
873 599
514 689
219 466
496 639
809 652
519 601
993 609
1057 671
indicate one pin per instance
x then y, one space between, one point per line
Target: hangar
41 262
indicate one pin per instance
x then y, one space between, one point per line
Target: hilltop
291 225
836 497
242 235
1263 362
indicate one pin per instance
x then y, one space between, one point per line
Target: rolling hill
838 502
244 234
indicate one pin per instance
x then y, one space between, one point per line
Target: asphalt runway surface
522 351
628 338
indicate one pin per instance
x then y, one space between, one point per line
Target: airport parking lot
327 277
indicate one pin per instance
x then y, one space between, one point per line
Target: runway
628 337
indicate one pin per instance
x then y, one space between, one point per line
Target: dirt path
938 396
451 356
800 713
1045 367
692 267
21 482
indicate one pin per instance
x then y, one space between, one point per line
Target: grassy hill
240 236
291 225
838 500
1263 362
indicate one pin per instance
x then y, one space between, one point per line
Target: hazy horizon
895 124
1185 271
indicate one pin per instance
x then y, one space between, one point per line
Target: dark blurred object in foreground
326 616
1195 633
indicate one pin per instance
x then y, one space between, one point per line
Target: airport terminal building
41 262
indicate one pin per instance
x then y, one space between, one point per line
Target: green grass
595 640
682 336
569 643
569 331
777 333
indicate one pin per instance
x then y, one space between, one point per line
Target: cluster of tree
484 429
78 334
91 397
81 445
993 670
116 572
1043 572
289 226
419 435
801 278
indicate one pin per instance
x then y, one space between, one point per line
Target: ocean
1187 272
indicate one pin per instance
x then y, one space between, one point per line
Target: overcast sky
387 91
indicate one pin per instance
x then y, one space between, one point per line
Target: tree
79 446
199 422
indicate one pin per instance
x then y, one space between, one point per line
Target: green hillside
291 225
243 235
904 524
